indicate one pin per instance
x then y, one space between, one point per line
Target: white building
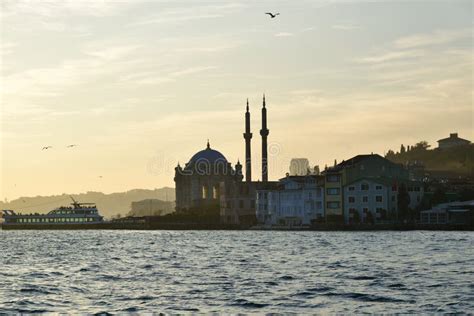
299 167
376 199
452 141
456 213
293 201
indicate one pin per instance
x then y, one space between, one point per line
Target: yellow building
333 196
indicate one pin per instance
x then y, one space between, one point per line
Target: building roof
299 178
453 136
453 205
385 181
355 160
208 155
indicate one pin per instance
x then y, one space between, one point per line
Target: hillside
456 160
108 204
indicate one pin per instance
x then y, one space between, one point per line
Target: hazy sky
141 85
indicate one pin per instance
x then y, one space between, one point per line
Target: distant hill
151 207
457 160
108 204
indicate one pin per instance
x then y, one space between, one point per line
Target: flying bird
46 147
72 145
272 15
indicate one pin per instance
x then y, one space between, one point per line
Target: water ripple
110 272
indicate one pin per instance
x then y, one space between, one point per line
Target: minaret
264 132
248 137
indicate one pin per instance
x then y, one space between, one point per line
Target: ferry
77 214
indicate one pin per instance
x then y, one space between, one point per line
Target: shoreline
202 226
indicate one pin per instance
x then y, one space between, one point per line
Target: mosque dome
208 156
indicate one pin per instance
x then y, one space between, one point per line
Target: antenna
74 202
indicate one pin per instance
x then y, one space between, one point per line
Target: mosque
209 181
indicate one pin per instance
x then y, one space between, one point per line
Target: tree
316 170
403 202
439 196
466 194
356 218
390 154
370 218
383 214
422 145
402 149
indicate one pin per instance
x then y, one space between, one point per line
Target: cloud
113 53
305 92
435 38
284 34
50 80
200 48
151 77
189 13
446 88
6 48
413 63
346 27
34 112
191 70
176 18
53 9
391 56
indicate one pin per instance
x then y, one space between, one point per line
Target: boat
74 215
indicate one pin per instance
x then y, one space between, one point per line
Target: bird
47 147
100 176
72 145
272 15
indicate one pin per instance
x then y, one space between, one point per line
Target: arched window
215 192
204 192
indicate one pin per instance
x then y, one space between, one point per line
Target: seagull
272 15
70 146
100 176
47 147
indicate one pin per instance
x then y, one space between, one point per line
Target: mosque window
204 192
215 192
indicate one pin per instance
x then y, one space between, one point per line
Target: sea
257 272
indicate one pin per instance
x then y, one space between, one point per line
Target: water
236 271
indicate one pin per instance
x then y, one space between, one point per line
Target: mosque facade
209 181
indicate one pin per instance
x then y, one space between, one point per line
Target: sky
141 85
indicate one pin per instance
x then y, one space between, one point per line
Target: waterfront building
334 211
198 183
452 141
365 189
452 213
293 201
237 205
208 181
376 200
